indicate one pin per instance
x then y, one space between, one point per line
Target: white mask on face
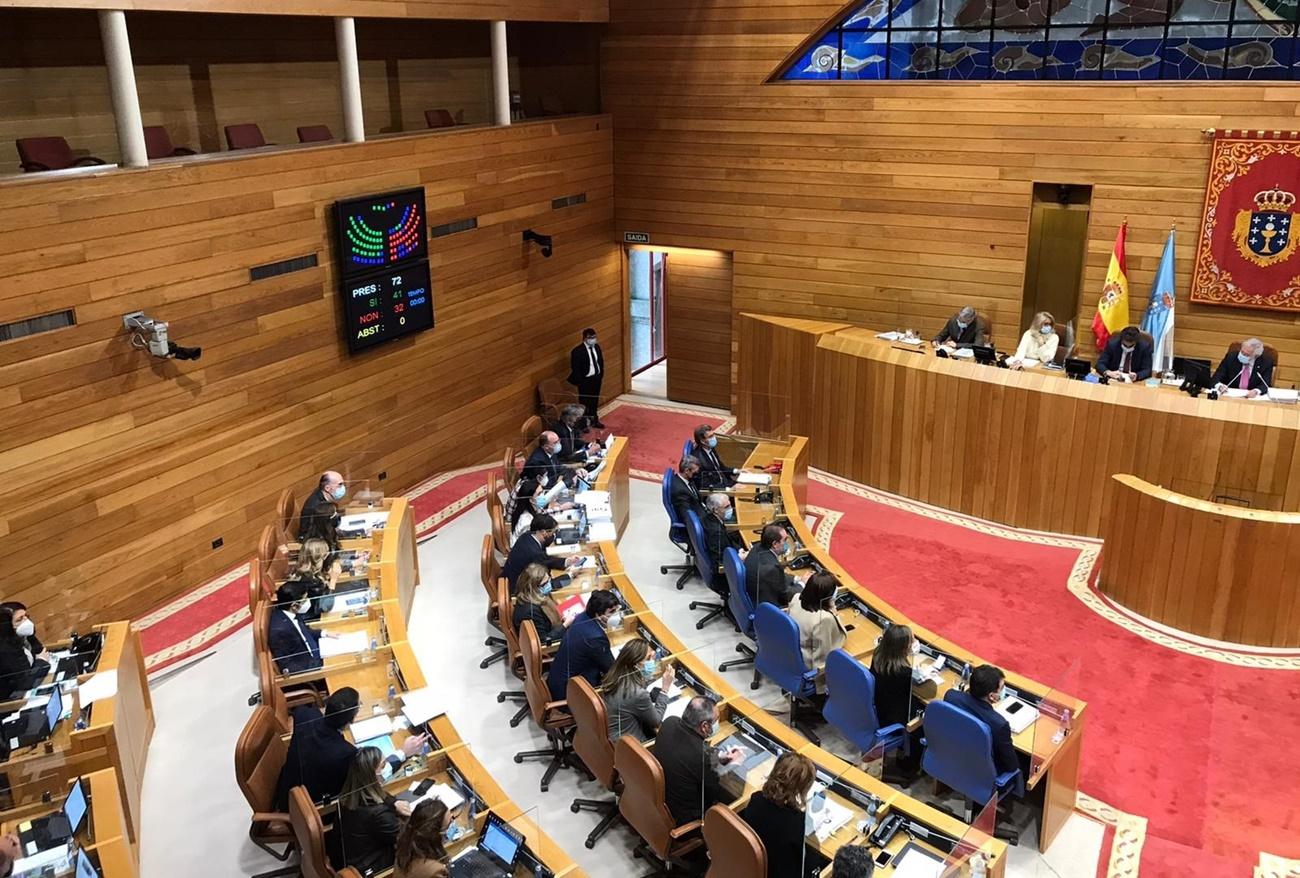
26 628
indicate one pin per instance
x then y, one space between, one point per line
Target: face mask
648 668
1002 693
713 730
553 449
614 620
916 647
453 832
386 771
26 628
339 492
545 589
962 326
539 502
713 441
544 480
548 539
1243 359
731 513
302 606
1045 330
589 342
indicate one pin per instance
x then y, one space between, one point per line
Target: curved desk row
104 836
848 785
387 671
1029 449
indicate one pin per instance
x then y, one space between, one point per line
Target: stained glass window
1056 40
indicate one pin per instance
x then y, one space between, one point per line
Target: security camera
150 334
543 241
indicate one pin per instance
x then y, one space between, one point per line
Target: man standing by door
586 369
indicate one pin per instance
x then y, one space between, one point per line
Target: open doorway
1058 246
646 271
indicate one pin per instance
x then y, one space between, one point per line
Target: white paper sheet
421 705
754 479
344 644
676 708
363 521
449 796
372 727
914 864
102 685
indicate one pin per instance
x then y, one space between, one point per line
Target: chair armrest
892 729
33 166
87 160
269 817
686 829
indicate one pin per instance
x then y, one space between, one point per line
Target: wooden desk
1023 448
1211 569
117 734
105 834
613 478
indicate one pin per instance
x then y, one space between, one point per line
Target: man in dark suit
717 538
586 371
690 765
1249 369
544 461
319 755
531 549
712 473
294 644
319 515
681 489
573 448
963 329
1126 357
986 691
584 651
765 581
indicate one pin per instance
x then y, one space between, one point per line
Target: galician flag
1159 319
1112 309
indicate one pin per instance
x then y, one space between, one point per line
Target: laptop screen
500 840
54 709
85 868
74 807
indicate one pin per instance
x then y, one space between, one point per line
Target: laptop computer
496 854
56 829
35 724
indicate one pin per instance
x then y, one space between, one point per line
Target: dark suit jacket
976 333
765 581
1004 753
716 540
1112 358
683 496
573 448
690 765
893 697
781 831
712 473
580 363
287 647
527 550
584 652
369 835
318 758
1229 373
318 519
540 462
17 674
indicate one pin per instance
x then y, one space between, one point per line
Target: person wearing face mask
584 650
421 850
531 549
294 644
629 707
1249 369
987 689
24 661
718 538
569 428
1039 343
765 580
712 474
963 329
776 813
544 461
320 516
1126 357
533 603
682 493
369 818
891 665
820 629
530 500
586 371
690 764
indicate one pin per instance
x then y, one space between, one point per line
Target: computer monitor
85 868
984 353
501 841
1076 368
74 807
54 709
1196 375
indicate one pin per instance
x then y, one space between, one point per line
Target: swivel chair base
748 661
282 856
500 653
608 810
518 698
714 611
669 867
686 570
560 754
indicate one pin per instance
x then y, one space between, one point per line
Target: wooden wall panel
697 327
895 203
130 467
773 384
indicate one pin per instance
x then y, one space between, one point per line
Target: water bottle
978 868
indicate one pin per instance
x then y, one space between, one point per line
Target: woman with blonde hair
318 571
776 814
533 603
629 708
420 851
1039 342
369 818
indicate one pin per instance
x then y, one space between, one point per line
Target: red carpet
1200 748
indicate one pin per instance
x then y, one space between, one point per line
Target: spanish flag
1112 308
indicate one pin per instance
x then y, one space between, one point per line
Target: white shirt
522 526
591 357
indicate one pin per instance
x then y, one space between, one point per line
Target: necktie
591 357
1245 378
1126 361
